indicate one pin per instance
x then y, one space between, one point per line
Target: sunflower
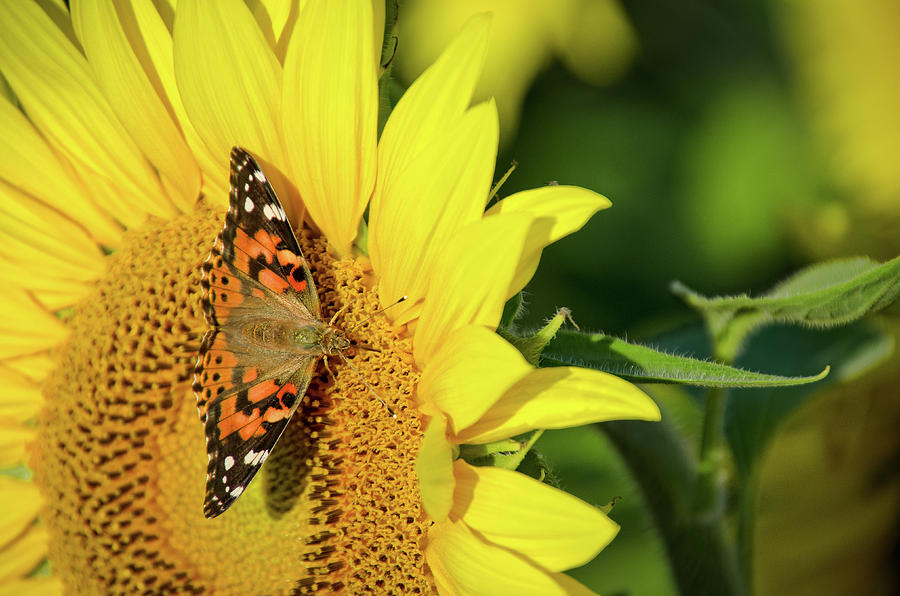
118 121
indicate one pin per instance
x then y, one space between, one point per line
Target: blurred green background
738 141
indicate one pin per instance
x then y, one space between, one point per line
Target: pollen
121 458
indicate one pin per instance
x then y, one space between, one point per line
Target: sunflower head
350 498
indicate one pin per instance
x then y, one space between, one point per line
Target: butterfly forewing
256 226
255 277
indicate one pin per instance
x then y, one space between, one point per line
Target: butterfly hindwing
247 392
243 428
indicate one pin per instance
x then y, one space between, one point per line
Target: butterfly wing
257 237
244 424
246 393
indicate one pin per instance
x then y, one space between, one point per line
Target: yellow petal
472 369
431 107
35 367
25 327
571 586
425 204
229 79
54 84
58 11
275 14
437 97
137 104
27 552
21 504
154 29
462 563
277 19
7 92
27 163
44 229
67 294
38 586
13 437
434 467
331 114
20 397
43 251
552 528
469 281
558 398
568 207
378 40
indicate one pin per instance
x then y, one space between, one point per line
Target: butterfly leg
328 368
340 311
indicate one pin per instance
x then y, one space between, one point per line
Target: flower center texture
121 458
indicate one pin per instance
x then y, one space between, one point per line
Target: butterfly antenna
378 397
377 312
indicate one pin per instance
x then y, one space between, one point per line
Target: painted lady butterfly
265 335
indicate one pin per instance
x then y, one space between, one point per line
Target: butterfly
264 339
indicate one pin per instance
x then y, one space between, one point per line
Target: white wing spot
229 461
248 205
255 458
225 480
237 492
259 175
269 212
246 187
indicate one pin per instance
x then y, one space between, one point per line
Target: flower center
120 453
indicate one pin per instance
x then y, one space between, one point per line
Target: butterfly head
333 340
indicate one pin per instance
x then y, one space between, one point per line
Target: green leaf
642 364
752 418
824 295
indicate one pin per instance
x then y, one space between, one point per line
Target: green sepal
533 345
823 295
361 242
43 569
642 364
607 509
513 310
506 453
389 90
484 455
535 465
18 471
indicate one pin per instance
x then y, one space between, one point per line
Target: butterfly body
279 336
265 335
